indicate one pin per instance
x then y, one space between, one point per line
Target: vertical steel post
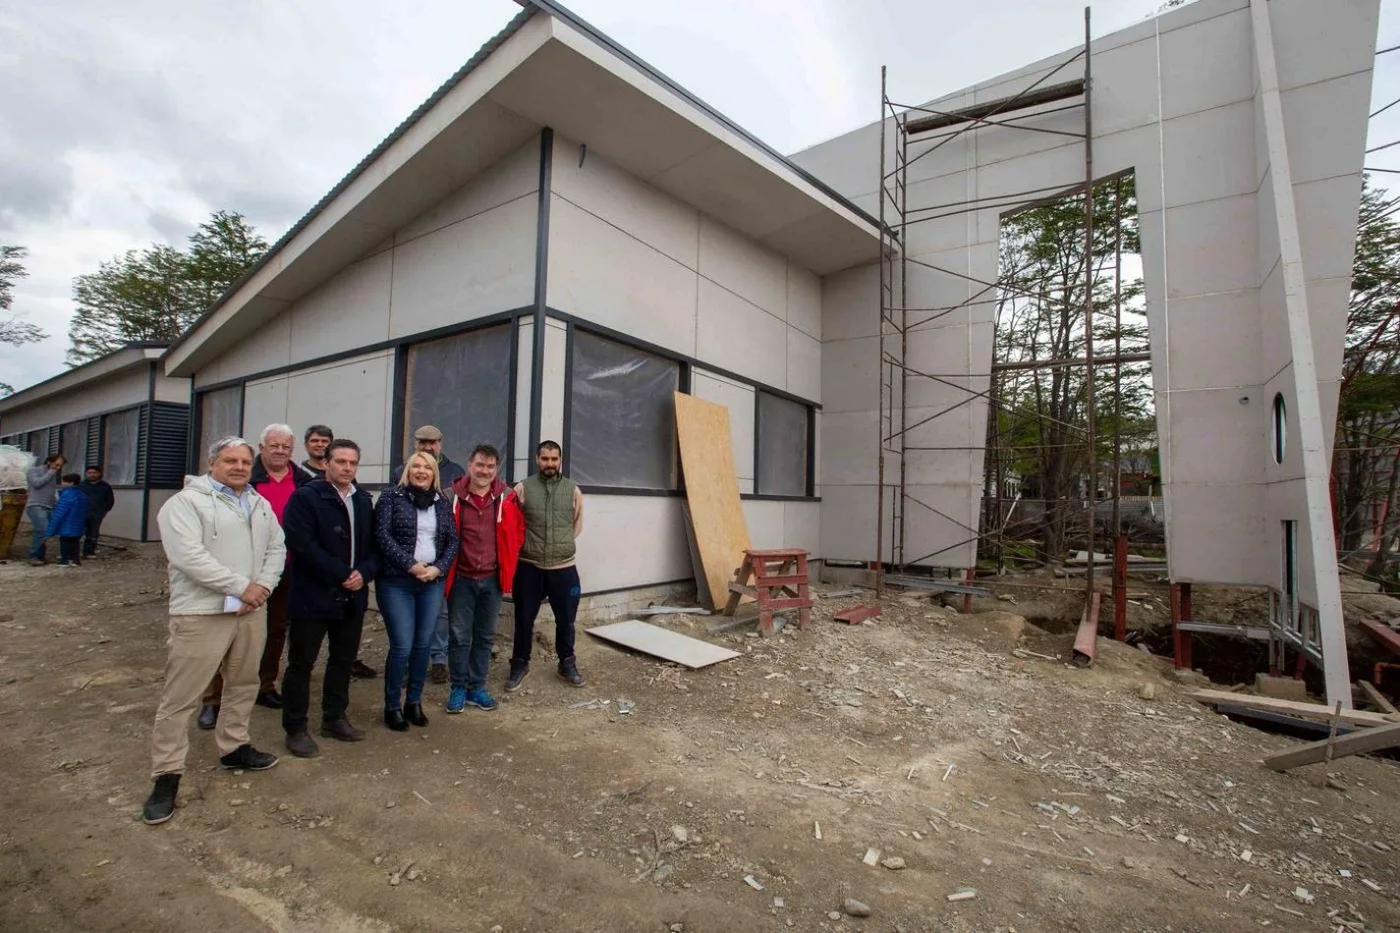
1091 420
880 365
1120 587
1174 596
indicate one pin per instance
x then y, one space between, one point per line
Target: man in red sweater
275 476
491 528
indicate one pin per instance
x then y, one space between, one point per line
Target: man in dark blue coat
101 500
329 527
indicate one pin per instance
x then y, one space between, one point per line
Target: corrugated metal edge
495 42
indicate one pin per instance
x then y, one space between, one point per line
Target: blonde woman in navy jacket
417 546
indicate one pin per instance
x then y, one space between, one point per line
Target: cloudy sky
128 123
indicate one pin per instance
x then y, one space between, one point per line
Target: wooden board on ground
1357 743
663 643
1378 699
1313 711
857 614
712 492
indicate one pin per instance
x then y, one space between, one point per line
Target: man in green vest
553 508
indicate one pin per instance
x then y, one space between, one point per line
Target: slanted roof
546 68
118 361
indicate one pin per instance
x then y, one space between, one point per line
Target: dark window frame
197 453
137 452
399 407
809 480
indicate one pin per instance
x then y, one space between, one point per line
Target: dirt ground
1066 799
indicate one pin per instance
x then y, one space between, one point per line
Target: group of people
265 552
68 507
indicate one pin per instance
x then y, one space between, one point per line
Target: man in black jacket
101 499
329 527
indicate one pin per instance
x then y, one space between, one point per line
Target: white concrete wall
353 396
624 255
124 521
121 390
158 498
1175 101
470 256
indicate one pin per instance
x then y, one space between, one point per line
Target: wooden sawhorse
779 582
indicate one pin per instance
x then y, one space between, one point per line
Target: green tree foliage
13 329
1038 432
1366 460
155 293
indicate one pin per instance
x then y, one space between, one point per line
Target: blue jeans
437 647
410 610
472 608
39 518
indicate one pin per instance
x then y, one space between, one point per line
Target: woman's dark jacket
396 521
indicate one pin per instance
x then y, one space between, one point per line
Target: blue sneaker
481 699
457 700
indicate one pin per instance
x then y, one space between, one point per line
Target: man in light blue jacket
225 553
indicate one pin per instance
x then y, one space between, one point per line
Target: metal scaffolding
917 132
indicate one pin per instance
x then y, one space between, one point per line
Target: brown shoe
438 673
341 730
302 745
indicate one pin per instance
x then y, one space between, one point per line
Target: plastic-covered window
782 446
220 416
461 385
622 427
119 440
73 446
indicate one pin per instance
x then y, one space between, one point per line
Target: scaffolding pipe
1089 302
880 371
979 112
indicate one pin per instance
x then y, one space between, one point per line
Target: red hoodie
510 530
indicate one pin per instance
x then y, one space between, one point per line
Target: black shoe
341 730
208 716
413 712
160 806
438 674
519 670
569 672
393 718
248 758
271 699
302 745
362 670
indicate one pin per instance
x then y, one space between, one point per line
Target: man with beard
553 506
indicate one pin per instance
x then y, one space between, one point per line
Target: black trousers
532 587
304 637
92 525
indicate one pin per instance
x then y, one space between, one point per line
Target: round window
1280 428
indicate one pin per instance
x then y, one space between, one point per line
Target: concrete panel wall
469 256
632 541
158 498
124 521
121 390
1175 100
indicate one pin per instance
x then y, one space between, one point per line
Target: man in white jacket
225 552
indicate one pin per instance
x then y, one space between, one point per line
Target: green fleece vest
549 520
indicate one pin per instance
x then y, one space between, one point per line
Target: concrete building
561 236
558 240
1245 123
121 412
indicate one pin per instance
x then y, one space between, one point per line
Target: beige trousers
200 647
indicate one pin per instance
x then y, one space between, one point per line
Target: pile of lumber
1366 731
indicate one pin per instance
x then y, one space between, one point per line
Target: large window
220 416
74 446
461 385
37 443
622 424
782 447
120 433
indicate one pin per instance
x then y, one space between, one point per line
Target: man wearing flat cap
428 439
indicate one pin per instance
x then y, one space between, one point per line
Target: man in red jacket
491 528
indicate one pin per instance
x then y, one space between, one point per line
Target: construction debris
1356 743
857 614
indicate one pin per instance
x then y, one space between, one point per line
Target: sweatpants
200 647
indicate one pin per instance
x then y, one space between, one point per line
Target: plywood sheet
712 491
663 643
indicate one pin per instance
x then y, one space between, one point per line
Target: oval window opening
1280 432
